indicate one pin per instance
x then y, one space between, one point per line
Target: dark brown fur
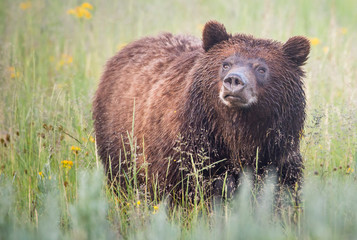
173 82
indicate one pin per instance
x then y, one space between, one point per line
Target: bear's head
248 71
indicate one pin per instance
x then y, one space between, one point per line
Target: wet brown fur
172 83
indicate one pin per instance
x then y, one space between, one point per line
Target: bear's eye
226 66
261 70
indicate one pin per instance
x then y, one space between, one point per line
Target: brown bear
171 108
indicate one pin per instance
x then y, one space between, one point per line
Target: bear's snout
235 81
238 88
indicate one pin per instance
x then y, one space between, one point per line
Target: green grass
45 109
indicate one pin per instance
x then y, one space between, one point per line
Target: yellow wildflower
87 5
75 149
64 60
40 174
343 30
90 138
13 72
156 208
314 41
138 203
350 170
50 177
81 11
67 164
69 59
25 5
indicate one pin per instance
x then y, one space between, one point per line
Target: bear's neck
236 133
244 131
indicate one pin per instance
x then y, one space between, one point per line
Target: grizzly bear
171 108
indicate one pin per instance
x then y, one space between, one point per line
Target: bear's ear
297 49
213 33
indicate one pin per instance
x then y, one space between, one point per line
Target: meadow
52 184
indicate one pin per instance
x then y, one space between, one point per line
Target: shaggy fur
181 125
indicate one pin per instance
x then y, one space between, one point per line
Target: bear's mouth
234 98
237 99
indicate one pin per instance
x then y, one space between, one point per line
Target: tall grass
330 212
50 63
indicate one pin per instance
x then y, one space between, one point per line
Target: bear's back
140 71
163 48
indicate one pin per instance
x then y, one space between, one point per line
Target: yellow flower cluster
91 139
42 175
25 5
156 208
13 72
75 149
64 60
350 170
67 164
314 41
81 11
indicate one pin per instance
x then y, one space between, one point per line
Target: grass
50 63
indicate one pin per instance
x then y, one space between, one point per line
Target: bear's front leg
290 175
224 187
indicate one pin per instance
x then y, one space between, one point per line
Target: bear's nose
235 82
